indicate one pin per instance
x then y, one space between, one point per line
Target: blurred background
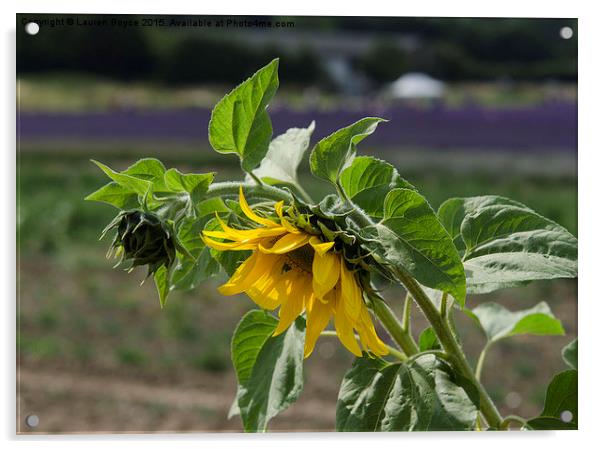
476 106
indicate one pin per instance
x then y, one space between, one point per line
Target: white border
590 146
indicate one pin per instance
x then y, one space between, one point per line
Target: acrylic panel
307 224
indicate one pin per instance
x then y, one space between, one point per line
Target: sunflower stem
221 189
393 326
450 345
407 313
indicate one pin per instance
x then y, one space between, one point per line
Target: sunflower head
301 263
143 238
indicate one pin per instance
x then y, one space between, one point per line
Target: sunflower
298 272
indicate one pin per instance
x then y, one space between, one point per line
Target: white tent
416 85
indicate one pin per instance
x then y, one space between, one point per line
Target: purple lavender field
543 128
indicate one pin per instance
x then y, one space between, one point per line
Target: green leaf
368 180
550 423
422 395
137 185
412 238
507 245
240 123
453 211
195 185
147 168
561 396
285 153
498 322
190 272
428 340
210 206
335 152
569 354
276 379
115 195
162 282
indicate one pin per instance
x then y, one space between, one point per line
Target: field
96 353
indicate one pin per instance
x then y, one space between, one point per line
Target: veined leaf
269 369
422 395
412 238
368 180
285 153
161 277
498 322
191 271
569 354
561 396
147 168
428 340
195 185
115 195
240 123
453 211
506 245
137 185
335 152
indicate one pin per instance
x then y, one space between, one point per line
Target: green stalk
481 362
392 325
220 189
407 313
451 346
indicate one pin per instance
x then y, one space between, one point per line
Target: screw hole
32 421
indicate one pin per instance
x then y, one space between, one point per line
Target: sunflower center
301 259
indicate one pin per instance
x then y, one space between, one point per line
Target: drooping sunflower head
142 238
295 266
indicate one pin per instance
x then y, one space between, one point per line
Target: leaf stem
306 196
510 419
481 362
394 352
443 307
391 323
255 178
220 189
451 346
407 313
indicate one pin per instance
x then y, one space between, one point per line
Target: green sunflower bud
143 238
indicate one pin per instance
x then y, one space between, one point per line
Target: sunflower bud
143 238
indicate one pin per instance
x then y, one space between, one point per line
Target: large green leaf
453 211
280 164
498 322
368 180
422 395
506 245
136 184
569 354
240 123
410 237
335 152
194 184
269 369
115 195
191 271
561 397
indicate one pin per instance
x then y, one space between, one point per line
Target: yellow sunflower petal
368 336
252 215
278 207
228 246
320 247
317 320
248 273
351 293
288 243
245 234
294 304
326 270
344 329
